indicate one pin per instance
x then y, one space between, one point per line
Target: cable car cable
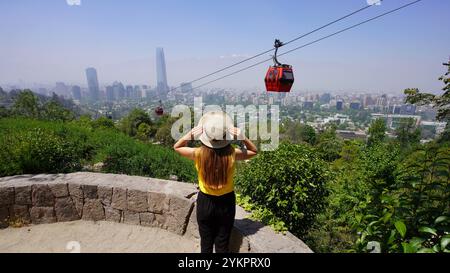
288 42
310 43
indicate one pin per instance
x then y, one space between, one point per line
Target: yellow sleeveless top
229 187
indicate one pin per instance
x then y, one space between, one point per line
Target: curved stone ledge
170 205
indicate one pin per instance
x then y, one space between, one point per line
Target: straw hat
215 129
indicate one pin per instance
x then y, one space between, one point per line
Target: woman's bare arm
180 145
250 150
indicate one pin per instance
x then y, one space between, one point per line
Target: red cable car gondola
159 111
279 77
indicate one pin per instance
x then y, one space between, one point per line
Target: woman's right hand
196 132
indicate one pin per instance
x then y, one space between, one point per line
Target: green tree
377 132
440 102
103 122
163 134
144 132
329 145
408 134
26 104
297 132
52 110
130 124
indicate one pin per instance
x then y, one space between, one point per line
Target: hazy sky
48 40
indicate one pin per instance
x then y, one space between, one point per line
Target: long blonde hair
215 166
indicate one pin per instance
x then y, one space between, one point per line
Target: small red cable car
159 111
279 77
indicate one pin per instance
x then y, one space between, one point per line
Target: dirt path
92 237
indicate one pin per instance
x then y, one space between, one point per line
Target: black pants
215 218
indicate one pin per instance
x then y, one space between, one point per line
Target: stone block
178 215
75 191
147 218
4 217
42 196
93 210
23 195
42 215
89 191
157 202
20 212
65 210
59 190
137 201
78 203
131 217
119 199
105 195
159 221
192 226
6 196
113 215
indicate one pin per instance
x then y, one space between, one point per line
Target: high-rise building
339 105
325 98
355 105
61 89
308 104
109 93
129 91
76 92
119 90
137 93
161 75
92 80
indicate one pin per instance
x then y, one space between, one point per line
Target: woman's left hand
236 133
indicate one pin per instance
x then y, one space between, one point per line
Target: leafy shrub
289 182
131 157
39 150
36 146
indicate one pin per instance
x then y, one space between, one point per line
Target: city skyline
367 59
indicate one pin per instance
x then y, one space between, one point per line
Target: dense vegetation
38 137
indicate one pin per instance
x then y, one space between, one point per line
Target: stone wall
170 205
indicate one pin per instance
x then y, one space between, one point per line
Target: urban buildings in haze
76 92
161 75
92 80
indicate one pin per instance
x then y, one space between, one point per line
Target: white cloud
374 2
73 2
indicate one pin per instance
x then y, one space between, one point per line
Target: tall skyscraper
161 76
76 92
119 90
94 90
339 105
109 93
